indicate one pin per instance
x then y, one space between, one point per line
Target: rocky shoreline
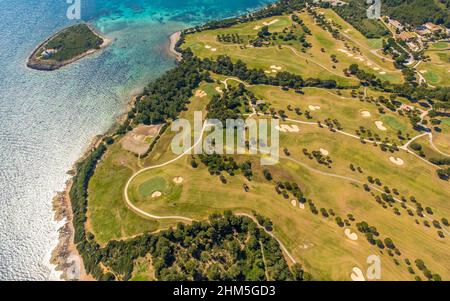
174 38
65 255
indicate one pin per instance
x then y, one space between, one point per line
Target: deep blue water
48 119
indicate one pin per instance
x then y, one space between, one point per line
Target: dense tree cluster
355 13
167 96
224 65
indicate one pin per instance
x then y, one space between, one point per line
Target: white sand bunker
274 71
342 50
383 72
156 194
324 152
366 114
271 22
257 27
350 235
267 71
200 93
423 71
294 203
357 275
313 108
302 206
178 180
369 64
207 47
380 126
218 89
275 67
360 59
349 54
287 128
213 49
376 68
396 161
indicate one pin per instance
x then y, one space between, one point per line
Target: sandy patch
342 50
274 71
275 67
271 22
207 47
376 68
383 72
349 54
294 203
396 161
137 141
366 114
257 27
267 71
218 89
313 108
213 49
156 194
357 275
200 93
324 152
360 59
350 235
380 126
423 71
178 180
302 206
287 128
369 64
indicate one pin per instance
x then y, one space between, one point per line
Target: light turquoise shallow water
48 119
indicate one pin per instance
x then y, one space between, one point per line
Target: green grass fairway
312 62
437 71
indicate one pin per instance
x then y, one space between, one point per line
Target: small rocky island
65 47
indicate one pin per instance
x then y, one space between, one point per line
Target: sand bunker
380 126
369 64
313 108
382 72
350 235
294 203
376 68
213 49
271 22
207 47
138 140
287 128
200 93
423 71
396 161
267 71
360 58
365 114
349 54
302 206
324 152
275 67
218 89
257 27
357 275
156 194
178 180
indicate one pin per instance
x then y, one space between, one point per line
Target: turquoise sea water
47 119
